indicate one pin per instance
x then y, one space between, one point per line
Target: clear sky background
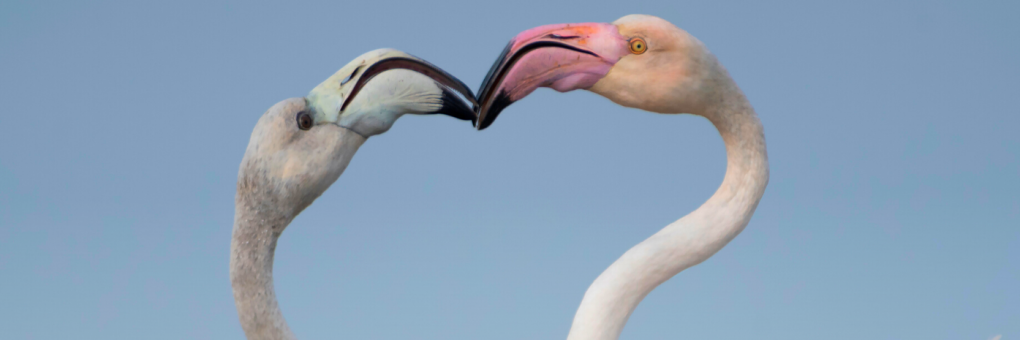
892 210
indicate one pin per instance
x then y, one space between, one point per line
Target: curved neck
271 191
615 294
256 229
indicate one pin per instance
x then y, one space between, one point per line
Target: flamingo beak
334 94
564 57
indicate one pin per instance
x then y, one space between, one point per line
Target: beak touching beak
564 57
334 94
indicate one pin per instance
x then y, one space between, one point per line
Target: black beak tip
501 101
454 107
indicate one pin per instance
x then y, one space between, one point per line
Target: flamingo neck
256 229
615 294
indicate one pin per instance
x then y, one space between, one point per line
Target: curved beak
564 57
334 94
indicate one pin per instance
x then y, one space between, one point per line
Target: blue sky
892 210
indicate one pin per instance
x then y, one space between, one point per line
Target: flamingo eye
638 46
304 120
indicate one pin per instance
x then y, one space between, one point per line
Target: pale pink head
641 56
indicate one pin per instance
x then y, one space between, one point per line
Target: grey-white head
300 147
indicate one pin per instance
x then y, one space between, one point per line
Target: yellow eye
638 46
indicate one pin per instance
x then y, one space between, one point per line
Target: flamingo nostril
561 37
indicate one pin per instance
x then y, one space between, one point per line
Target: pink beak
564 57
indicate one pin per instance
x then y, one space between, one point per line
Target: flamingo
643 62
300 147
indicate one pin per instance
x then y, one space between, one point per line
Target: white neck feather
615 294
253 245
268 198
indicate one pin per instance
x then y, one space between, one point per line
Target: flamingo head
300 146
637 61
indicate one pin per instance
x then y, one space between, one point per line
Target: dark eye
304 120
